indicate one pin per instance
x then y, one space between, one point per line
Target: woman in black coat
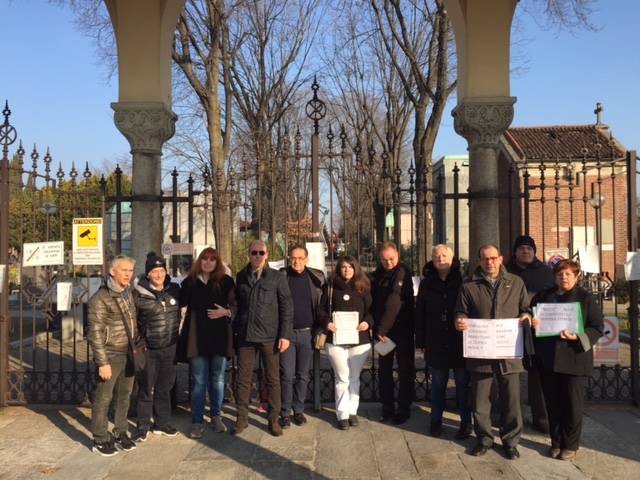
206 336
349 291
566 361
438 337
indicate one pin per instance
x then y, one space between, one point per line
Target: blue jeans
207 370
294 371
439 379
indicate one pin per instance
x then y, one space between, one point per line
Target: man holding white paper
493 293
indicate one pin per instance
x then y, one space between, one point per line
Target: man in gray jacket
109 309
493 293
262 324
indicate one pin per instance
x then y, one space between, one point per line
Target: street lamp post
597 201
7 137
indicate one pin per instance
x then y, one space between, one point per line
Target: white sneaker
217 424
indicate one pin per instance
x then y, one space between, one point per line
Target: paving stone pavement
54 443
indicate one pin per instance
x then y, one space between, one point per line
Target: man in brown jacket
493 293
109 308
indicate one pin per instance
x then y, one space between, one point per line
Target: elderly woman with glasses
565 359
208 293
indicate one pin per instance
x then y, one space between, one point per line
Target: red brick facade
562 163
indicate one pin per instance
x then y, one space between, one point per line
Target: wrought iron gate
45 359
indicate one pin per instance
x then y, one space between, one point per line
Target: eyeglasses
258 252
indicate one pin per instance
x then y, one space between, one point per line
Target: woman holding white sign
565 357
349 293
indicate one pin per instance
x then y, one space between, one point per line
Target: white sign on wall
42 253
63 296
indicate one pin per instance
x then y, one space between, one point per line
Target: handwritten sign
493 338
556 317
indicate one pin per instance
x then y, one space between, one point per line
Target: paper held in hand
384 348
556 317
493 338
346 328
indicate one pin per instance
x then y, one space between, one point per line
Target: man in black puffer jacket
158 321
393 304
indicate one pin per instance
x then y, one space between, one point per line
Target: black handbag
320 338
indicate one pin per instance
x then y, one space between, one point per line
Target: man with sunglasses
263 324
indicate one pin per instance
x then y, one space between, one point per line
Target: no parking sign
606 350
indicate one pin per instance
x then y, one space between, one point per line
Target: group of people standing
278 315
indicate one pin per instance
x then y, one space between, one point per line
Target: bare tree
422 31
200 50
371 101
270 41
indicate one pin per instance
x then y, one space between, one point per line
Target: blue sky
60 97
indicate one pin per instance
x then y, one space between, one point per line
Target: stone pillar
146 125
482 121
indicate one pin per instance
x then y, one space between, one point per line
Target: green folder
578 308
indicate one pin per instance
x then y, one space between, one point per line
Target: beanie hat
154 261
524 240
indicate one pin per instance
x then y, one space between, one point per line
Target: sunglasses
258 252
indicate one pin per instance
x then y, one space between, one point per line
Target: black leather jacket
158 312
265 309
108 307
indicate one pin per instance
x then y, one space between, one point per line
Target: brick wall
554 213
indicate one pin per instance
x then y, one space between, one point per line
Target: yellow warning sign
88 236
87 241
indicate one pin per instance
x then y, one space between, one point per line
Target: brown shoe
240 426
554 452
274 428
567 455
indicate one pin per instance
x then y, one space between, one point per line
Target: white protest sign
493 338
416 284
87 241
277 265
632 266
316 255
63 296
606 350
589 258
42 253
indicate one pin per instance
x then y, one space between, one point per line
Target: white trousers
347 364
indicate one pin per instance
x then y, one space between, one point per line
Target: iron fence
47 359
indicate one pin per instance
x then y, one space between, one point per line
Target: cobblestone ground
39 443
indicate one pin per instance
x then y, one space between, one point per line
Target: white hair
115 261
439 247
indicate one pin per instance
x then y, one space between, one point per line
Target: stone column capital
482 120
147 125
